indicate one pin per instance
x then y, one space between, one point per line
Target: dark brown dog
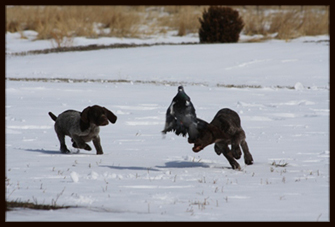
82 127
223 130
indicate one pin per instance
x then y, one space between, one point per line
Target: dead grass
88 21
10 205
184 19
287 22
62 23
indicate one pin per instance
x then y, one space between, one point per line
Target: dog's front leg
236 150
78 142
222 148
97 145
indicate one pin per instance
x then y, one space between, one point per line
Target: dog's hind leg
247 155
61 138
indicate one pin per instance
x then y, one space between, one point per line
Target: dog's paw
235 165
74 144
87 147
64 149
248 159
237 153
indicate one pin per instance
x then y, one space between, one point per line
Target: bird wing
180 116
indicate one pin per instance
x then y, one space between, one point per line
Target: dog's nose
103 120
196 149
104 123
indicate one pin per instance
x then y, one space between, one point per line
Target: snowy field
145 177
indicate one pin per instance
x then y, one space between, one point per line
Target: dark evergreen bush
220 25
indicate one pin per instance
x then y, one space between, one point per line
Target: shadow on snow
171 164
183 164
52 152
130 168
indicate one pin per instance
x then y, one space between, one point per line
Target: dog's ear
84 114
111 117
201 125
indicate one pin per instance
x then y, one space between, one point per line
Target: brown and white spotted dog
225 129
82 127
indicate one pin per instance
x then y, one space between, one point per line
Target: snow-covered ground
25 41
143 176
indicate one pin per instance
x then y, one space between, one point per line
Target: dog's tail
53 117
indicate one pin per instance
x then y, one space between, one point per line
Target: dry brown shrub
288 22
64 22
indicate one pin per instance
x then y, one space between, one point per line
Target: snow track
142 176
